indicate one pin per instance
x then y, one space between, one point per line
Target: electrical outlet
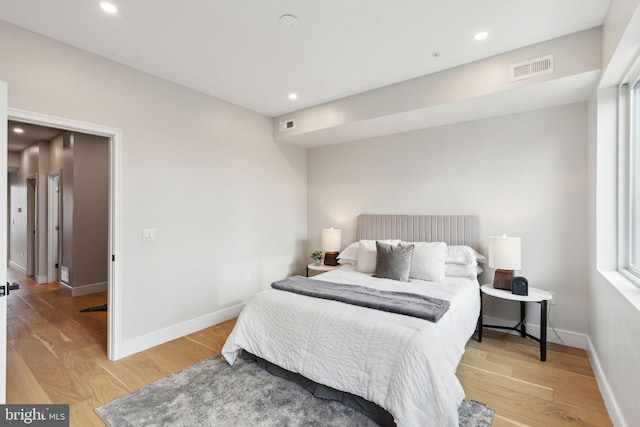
553 298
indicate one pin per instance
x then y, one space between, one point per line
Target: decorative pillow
367 255
458 254
428 260
349 255
393 262
462 270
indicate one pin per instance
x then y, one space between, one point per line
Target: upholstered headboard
451 229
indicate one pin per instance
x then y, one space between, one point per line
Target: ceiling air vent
531 68
287 125
66 141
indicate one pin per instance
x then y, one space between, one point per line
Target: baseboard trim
42 279
568 338
76 291
18 266
607 395
169 333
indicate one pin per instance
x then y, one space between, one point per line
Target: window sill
624 285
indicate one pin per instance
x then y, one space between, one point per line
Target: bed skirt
370 409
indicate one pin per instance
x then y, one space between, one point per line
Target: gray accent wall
84 172
84 177
91 210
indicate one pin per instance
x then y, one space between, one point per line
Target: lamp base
502 279
331 258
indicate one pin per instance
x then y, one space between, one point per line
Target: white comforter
404 364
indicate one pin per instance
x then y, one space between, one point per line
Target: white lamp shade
331 240
504 253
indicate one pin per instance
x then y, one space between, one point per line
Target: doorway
114 137
32 231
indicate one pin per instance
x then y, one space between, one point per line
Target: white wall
472 91
29 163
523 174
32 162
614 302
228 203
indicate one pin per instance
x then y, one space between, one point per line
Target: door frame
4 169
53 203
114 314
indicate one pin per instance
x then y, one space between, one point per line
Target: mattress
404 364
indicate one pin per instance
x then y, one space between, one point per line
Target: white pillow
428 261
349 255
367 255
458 254
462 270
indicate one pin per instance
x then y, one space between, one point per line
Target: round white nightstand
535 295
321 268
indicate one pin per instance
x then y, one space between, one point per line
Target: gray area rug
212 393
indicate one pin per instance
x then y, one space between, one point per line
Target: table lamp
331 240
504 256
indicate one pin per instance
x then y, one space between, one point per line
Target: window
630 178
634 121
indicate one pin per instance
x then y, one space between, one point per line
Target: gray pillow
393 262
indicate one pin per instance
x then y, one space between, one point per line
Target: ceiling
239 51
30 135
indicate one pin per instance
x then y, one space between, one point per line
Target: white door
3 242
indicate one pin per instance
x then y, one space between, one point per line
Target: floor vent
531 68
64 274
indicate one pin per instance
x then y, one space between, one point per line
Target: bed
405 365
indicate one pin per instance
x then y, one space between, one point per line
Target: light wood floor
505 372
56 354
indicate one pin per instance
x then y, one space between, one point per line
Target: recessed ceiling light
18 130
108 7
293 96
481 35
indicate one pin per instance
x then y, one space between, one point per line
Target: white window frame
629 177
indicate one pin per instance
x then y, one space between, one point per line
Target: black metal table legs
521 326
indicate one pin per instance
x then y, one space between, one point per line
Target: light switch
148 234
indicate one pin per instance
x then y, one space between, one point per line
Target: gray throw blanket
406 303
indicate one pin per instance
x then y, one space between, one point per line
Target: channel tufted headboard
451 229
